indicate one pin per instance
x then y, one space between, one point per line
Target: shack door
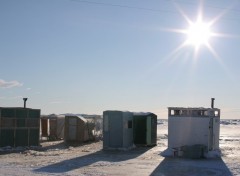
210 138
216 130
115 130
44 125
72 129
149 130
140 130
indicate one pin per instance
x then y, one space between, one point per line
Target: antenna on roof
212 103
25 99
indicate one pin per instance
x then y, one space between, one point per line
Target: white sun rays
186 54
199 32
199 35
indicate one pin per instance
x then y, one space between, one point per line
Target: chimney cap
24 100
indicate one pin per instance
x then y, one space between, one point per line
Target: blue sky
74 56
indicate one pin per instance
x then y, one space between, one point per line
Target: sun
198 34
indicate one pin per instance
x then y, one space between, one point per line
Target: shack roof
79 117
17 108
192 108
143 113
52 116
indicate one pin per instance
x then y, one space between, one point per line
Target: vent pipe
24 100
212 103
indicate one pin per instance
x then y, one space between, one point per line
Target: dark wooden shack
19 127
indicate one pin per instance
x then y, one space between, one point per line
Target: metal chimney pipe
212 103
24 99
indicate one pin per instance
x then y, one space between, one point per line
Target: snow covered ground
55 158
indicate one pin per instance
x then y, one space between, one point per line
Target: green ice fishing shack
19 126
145 128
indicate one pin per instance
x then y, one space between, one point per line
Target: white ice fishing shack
193 132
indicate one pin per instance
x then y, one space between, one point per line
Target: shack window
216 113
130 124
177 112
205 113
201 113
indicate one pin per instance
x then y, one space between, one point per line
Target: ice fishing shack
19 126
193 132
52 126
117 130
77 129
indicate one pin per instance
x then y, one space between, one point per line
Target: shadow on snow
86 160
196 167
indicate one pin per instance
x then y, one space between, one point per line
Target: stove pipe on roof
24 99
212 103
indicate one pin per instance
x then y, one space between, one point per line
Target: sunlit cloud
28 89
9 84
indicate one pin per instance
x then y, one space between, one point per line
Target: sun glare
198 34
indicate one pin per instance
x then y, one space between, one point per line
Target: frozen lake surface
55 158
